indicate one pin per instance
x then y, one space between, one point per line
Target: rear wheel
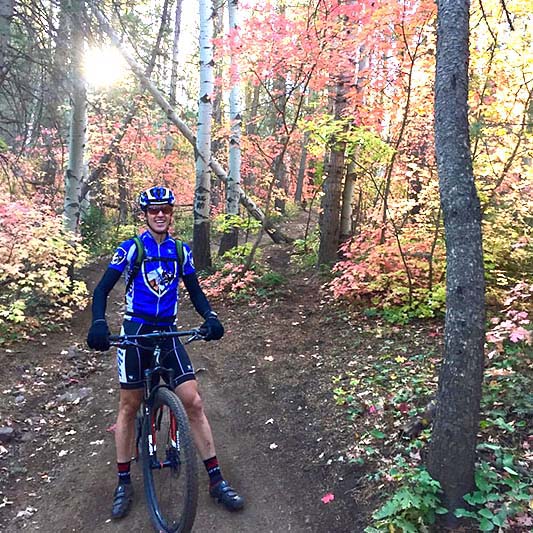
169 465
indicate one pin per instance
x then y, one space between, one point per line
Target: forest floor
267 385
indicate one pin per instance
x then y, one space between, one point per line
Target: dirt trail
267 394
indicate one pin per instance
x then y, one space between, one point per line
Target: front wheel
169 464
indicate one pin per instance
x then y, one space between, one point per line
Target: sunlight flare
104 66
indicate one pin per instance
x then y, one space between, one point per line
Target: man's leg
203 438
201 430
124 434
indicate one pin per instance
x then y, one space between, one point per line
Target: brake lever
194 337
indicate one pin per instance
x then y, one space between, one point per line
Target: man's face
159 217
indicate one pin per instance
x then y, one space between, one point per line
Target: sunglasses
155 209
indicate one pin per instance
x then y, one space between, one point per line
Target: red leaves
403 408
327 498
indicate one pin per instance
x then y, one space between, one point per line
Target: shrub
413 507
38 289
377 274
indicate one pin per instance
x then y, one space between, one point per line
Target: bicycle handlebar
194 334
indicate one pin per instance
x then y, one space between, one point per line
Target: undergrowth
380 393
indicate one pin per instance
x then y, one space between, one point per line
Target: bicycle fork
171 447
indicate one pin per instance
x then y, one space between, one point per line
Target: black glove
212 328
98 336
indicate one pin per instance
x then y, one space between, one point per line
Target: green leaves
412 507
499 492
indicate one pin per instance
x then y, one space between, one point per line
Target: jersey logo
119 256
188 258
159 280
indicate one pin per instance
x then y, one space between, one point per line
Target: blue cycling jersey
152 297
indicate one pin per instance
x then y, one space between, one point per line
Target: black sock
213 469
123 470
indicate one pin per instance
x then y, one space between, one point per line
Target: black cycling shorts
133 361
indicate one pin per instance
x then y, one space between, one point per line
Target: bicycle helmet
156 196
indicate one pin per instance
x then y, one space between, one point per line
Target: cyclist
152 304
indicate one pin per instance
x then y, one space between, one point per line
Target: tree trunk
330 219
122 183
218 140
6 14
279 168
78 122
231 238
301 170
453 444
252 104
169 142
175 53
202 193
347 208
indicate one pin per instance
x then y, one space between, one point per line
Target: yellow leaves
35 270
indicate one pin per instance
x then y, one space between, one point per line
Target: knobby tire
172 491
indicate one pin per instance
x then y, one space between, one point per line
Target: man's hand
98 336
212 328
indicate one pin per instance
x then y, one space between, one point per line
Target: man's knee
194 405
129 403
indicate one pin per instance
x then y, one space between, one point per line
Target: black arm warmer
198 297
110 277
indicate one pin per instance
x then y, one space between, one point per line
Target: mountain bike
164 438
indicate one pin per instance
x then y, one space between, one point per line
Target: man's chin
159 231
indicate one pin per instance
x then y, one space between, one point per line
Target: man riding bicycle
152 305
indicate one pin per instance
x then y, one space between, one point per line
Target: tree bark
347 208
279 168
330 219
453 445
202 193
78 122
218 140
252 104
230 239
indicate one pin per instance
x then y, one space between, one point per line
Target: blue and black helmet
156 196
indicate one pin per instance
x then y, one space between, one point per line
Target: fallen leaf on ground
329 497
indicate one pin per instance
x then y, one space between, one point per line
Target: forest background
317 106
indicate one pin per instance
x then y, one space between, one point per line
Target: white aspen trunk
216 167
235 112
202 193
78 124
169 143
347 198
233 185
